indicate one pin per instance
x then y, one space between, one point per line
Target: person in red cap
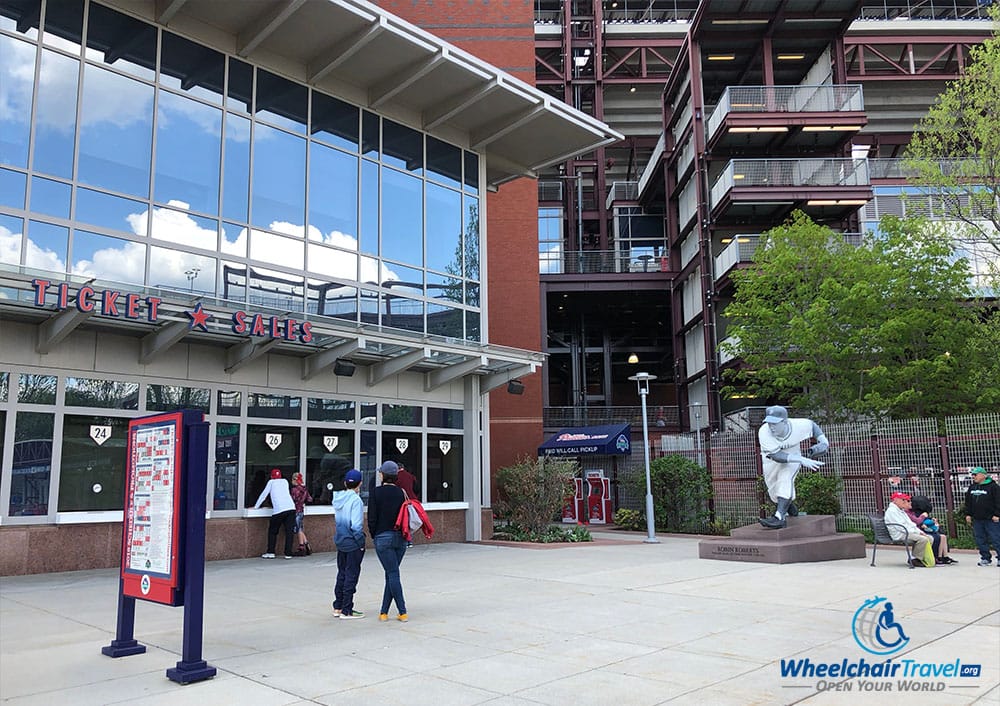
282 513
901 527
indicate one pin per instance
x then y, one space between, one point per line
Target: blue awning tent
608 440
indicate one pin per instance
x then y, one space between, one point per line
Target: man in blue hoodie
982 511
350 541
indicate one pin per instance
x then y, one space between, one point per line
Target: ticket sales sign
151 545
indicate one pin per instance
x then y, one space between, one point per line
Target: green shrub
816 493
533 491
628 519
681 490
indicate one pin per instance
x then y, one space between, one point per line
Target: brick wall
502 33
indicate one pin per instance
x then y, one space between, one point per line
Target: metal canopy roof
379 351
359 51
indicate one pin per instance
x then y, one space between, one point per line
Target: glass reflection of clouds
170 269
279 177
188 141
116 132
11 230
179 227
223 193
46 246
97 208
107 258
55 121
18 60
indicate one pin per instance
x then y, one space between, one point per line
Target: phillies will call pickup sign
115 304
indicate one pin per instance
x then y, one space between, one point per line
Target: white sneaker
267 555
287 556
985 562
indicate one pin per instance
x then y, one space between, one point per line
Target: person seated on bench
920 512
902 529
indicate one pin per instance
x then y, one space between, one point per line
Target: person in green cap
982 511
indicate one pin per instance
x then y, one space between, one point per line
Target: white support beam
379 372
333 57
245 352
160 340
508 165
54 329
450 108
166 9
491 382
500 128
318 362
379 94
264 25
442 376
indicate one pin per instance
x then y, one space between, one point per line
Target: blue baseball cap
352 475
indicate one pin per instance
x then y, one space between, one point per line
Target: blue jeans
985 532
390 548
348 572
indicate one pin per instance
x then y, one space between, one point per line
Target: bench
880 533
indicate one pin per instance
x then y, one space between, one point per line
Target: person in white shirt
781 458
901 527
282 513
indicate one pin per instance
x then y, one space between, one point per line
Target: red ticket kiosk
599 509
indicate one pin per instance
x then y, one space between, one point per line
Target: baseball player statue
780 451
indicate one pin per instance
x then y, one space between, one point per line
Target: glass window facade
154 156
136 157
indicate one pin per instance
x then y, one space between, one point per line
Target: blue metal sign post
163 534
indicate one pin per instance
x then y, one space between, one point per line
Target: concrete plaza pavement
615 622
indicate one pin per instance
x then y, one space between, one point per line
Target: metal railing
790 173
582 262
742 248
659 417
871 458
622 191
827 98
925 10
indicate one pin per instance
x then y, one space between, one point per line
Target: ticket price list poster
149 563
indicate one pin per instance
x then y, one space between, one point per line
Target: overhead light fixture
739 176
836 202
631 89
633 359
829 128
740 22
515 387
721 57
759 129
344 368
791 57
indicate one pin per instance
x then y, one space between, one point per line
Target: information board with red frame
151 542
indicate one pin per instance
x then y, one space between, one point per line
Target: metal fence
872 458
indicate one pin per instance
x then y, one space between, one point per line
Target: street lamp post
192 275
642 380
697 427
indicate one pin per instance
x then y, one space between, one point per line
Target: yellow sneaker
403 617
382 617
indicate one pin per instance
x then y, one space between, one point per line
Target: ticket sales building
279 219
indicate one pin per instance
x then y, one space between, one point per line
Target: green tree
837 329
955 151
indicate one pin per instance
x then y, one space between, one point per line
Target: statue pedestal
806 538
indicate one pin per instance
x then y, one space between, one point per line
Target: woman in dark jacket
383 509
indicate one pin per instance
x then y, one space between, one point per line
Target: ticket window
269 447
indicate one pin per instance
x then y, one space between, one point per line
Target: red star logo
199 317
